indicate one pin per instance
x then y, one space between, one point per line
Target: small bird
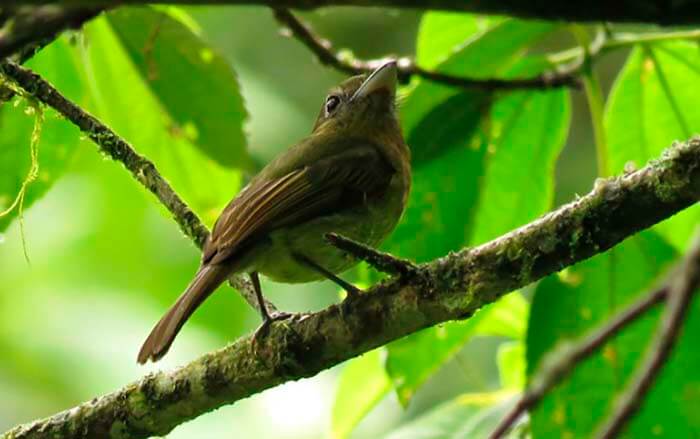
351 176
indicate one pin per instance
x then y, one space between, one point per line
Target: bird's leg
245 287
351 289
381 261
267 317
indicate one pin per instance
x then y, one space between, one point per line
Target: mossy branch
449 288
109 143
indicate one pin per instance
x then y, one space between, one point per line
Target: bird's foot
264 328
348 304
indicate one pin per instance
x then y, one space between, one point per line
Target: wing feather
303 193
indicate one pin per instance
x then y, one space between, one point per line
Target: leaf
362 384
414 359
512 365
491 55
567 305
464 146
193 82
652 104
441 33
445 219
58 138
115 84
528 131
469 416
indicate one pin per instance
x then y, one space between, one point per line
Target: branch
143 170
560 362
680 293
649 11
327 55
24 27
449 288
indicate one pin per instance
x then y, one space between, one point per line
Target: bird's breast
370 222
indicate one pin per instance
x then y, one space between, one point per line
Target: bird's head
361 104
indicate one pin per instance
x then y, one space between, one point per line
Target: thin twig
561 361
681 291
383 262
326 54
143 170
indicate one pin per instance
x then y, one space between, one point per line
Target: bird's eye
332 103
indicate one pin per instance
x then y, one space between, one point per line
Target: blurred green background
106 260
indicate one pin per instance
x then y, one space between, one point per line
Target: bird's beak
383 78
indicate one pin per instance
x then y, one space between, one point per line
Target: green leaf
512 365
362 384
527 132
513 174
567 305
414 359
441 33
492 54
117 85
504 163
652 104
194 84
472 416
58 140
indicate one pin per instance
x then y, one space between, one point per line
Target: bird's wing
313 190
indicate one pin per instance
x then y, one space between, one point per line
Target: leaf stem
596 100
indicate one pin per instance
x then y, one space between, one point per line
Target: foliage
484 164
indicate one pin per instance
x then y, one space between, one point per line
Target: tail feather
208 278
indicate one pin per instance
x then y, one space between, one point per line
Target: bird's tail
208 278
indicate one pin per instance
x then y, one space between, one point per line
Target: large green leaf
57 141
527 132
483 165
194 84
117 85
490 54
653 103
469 196
512 365
441 33
567 305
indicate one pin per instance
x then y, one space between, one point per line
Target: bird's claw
264 328
347 305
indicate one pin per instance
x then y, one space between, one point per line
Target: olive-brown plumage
351 176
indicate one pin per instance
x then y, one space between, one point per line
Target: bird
351 176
